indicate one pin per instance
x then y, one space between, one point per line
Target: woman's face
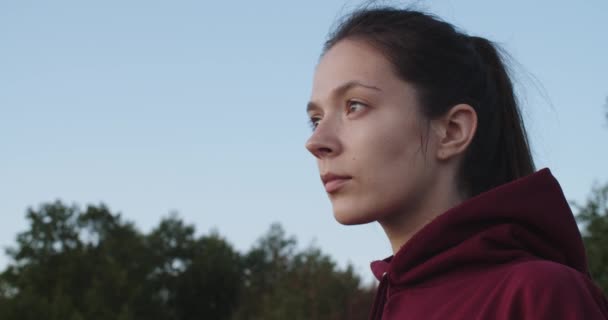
370 139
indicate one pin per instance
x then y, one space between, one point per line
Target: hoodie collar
526 218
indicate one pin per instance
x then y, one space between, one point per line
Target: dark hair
448 67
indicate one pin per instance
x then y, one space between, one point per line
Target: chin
351 217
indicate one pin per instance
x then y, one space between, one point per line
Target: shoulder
538 276
542 274
540 289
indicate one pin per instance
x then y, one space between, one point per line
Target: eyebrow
341 89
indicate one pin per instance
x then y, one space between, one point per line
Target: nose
324 142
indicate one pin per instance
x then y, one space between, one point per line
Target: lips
334 182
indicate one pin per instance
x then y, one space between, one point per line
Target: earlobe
457 129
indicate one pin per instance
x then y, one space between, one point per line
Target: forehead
351 60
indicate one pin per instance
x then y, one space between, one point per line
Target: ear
455 131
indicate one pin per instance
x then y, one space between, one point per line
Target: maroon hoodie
513 252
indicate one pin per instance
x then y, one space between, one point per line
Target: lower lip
335 185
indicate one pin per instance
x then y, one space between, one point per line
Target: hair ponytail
500 152
447 68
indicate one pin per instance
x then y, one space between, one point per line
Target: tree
91 264
209 288
282 283
195 278
74 264
594 217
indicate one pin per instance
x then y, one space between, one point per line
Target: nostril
317 148
322 145
324 150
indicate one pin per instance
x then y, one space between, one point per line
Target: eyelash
313 122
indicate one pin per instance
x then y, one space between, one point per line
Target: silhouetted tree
91 264
594 218
282 283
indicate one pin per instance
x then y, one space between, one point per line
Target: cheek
393 146
394 167
388 163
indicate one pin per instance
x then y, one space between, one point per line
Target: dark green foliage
281 283
594 220
91 264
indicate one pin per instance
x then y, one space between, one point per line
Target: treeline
593 220
91 264
77 264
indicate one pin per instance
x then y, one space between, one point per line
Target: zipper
380 299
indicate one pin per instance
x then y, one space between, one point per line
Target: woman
416 126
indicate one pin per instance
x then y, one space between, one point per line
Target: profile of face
369 137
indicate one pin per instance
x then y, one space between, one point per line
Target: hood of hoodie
526 218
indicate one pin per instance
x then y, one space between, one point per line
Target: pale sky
159 106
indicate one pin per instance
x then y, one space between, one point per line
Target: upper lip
327 177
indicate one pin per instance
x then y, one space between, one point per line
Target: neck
400 231
400 227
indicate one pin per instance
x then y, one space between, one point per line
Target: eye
314 122
354 106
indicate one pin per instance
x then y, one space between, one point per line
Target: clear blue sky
199 107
